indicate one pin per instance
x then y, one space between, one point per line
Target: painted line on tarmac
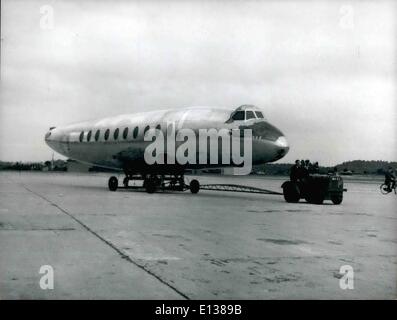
111 245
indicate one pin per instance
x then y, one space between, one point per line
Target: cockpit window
250 115
239 115
259 114
245 112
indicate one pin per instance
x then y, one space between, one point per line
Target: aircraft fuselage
119 142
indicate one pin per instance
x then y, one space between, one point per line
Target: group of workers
301 170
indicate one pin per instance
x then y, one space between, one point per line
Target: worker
295 172
307 164
315 168
304 171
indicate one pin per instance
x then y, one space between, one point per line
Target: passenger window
135 133
250 115
81 136
107 132
259 114
89 135
158 127
116 134
97 133
239 115
146 129
125 133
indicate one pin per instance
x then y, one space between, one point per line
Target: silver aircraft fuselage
118 142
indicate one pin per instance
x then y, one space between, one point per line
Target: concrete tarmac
172 245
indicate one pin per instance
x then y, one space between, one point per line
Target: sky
323 72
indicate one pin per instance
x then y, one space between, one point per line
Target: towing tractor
315 189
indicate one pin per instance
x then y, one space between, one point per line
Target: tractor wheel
337 198
291 192
315 197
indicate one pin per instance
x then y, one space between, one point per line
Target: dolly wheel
194 186
150 185
113 183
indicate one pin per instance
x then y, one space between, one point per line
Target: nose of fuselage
281 146
274 144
